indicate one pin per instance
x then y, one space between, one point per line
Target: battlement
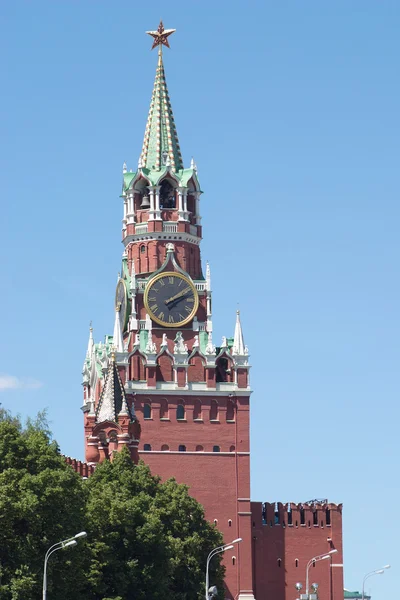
307 514
83 469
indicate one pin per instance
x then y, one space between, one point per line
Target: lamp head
379 571
236 541
82 534
228 547
70 543
299 586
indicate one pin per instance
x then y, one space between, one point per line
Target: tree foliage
146 539
41 502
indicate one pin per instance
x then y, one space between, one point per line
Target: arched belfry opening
167 195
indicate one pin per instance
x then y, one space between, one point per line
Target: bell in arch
145 202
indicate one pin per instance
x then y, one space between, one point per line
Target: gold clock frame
188 282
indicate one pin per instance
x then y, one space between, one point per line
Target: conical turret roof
112 399
160 144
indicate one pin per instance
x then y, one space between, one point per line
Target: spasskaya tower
160 385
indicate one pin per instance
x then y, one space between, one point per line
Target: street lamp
217 550
59 546
314 560
370 574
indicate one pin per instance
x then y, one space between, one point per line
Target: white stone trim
202 453
161 235
164 388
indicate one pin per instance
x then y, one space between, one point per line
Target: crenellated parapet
82 468
291 514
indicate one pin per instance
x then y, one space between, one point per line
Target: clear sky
291 111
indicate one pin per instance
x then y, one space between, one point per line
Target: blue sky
291 111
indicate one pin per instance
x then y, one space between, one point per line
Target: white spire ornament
90 343
133 324
164 343
180 347
210 348
151 348
208 277
239 347
117 337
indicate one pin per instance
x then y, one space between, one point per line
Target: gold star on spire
160 36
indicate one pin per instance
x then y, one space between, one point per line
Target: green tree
41 502
147 539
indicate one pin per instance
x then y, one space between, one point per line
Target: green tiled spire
160 144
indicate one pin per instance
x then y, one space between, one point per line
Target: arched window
147 447
233 560
214 411
313 563
164 409
164 447
229 522
215 522
279 562
197 410
230 412
231 448
182 448
142 249
216 449
302 517
315 517
180 412
296 562
199 448
113 440
147 411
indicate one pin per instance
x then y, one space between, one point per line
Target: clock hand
178 295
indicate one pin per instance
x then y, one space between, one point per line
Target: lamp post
59 546
370 574
217 550
317 559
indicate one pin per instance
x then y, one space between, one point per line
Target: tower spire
238 341
91 342
160 145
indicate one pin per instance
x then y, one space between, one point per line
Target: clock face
121 302
171 299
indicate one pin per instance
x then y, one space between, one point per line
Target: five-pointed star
160 36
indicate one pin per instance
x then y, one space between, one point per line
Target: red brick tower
160 386
190 397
